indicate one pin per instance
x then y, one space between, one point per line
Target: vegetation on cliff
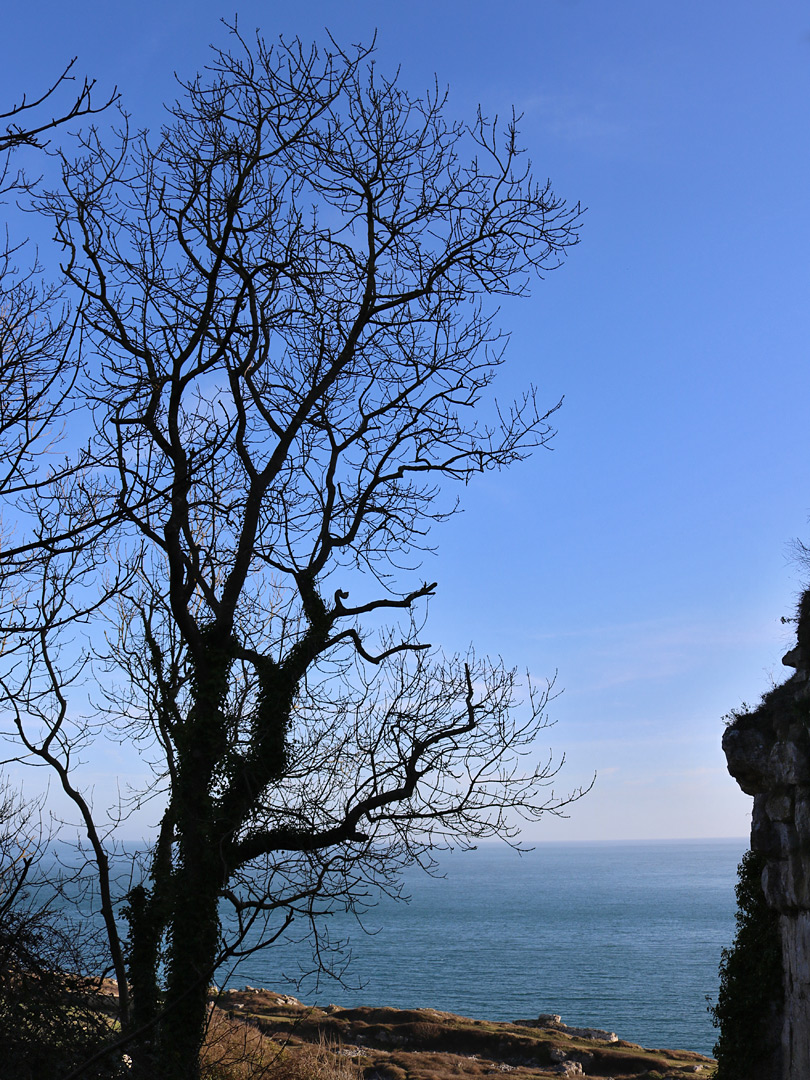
750 992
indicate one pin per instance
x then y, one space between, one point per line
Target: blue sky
646 558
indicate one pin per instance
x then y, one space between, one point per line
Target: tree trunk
196 880
194 938
145 933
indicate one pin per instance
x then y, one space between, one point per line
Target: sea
621 936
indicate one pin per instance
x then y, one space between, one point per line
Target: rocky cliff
768 754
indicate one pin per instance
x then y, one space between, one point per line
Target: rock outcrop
553 1021
382 1043
768 754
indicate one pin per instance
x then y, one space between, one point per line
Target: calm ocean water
624 936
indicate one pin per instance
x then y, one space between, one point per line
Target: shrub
751 991
237 1050
52 1017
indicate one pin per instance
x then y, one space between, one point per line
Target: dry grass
234 1050
376 1043
316 1062
237 1050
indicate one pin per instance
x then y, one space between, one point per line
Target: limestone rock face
768 754
554 1020
796 960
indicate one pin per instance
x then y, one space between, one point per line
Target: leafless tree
30 122
288 341
37 364
39 367
38 361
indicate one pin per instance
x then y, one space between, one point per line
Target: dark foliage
750 981
50 1021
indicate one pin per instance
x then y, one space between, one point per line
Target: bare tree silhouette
287 343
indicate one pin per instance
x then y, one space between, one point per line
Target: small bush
237 1050
52 1017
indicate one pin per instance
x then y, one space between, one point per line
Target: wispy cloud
576 120
645 650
